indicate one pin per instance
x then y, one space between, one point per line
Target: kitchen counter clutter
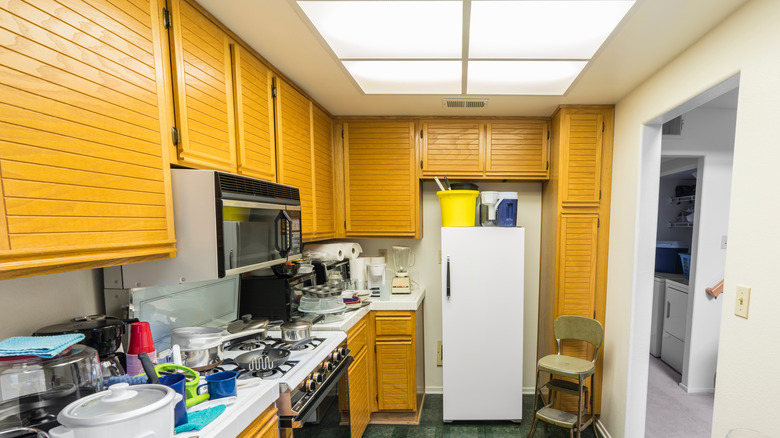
409 302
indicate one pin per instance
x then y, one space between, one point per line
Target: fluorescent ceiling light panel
542 29
522 77
388 29
406 77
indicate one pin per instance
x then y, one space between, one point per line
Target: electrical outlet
743 301
383 253
438 354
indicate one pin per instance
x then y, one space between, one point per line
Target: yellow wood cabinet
266 425
382 191
324 226
485 149
85 136
396 361
575 226
203 88
358 405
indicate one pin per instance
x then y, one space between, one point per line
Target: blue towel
42 346
199 419
133 380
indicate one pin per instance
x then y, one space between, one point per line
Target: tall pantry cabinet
575 227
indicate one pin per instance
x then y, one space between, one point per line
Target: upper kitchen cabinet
575 227
203 89
256 153
84 150
382 191
294 162
514 149
324 176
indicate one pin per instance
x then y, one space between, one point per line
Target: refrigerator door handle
448 276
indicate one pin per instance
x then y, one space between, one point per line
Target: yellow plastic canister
458 207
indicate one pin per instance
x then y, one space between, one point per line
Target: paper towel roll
324 251
352 250
357 271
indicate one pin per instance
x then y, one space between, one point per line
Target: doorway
703 155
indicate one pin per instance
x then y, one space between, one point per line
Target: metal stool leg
537 394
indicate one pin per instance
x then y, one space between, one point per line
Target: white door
482 323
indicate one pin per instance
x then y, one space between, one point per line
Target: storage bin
666 259
458 207
686 264
506 211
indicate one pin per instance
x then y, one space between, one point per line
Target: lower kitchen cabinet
266 425
398 357
358 405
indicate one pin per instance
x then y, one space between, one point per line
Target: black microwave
272 297
225 225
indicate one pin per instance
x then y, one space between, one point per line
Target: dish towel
200 419
41 346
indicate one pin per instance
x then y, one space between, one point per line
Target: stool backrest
579 328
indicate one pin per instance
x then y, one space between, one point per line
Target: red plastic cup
140 338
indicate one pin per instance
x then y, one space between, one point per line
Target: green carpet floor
431 425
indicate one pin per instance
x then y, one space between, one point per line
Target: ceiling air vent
673 127
464 103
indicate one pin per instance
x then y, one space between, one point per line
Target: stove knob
309 385
328 366
335 357
318 377
343 352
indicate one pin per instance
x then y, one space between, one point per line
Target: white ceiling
653 33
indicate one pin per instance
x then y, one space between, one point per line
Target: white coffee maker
375 275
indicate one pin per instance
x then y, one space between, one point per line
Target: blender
403 257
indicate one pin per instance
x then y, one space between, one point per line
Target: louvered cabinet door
517 149
382 189
581 158
325 214
294 149
203 89
453 148
395 375
254 116
83 158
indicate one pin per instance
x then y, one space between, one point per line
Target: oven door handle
332 380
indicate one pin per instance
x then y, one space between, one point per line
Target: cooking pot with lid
103 333
140 411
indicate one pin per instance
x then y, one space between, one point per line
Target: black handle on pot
448 276
151 373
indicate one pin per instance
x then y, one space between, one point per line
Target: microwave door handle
238 244
278 230
289 232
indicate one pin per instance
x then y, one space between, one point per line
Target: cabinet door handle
448 276
668 307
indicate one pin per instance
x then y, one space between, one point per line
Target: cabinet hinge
602 126
175 135
342 133
273 90
167 19
599 195
548 166
594 314
548 134
377 398
345 227
421 136
421 161
598 223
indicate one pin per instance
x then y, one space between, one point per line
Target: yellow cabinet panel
382 190
581 176
83 158
517 148
294 148
203 87
395 375
324 176
453 148
254 116
266 425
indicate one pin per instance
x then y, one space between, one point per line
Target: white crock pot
140 411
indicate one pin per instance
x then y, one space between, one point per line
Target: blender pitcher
403 258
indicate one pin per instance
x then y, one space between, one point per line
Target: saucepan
294 331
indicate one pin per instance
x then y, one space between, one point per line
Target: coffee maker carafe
403 257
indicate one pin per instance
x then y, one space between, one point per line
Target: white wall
747 43
35 302
427 271
708 134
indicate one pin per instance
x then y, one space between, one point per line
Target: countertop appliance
272 297
403 258
482 316
225 224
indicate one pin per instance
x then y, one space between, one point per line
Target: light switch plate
743 301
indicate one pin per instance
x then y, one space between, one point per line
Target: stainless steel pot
23 432
199 358
294 331
192 338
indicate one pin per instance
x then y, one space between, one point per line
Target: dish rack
323 300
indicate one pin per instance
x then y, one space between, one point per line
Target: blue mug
221 384
177 382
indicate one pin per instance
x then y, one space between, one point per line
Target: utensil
177 383
245 323
148 366
436 178
294 331
447 181
261 360
192 379
221 384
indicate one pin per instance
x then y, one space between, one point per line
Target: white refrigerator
482 322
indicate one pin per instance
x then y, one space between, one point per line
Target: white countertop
237 416
410 301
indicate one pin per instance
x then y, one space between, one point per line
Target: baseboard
527 390
690 390
602 430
